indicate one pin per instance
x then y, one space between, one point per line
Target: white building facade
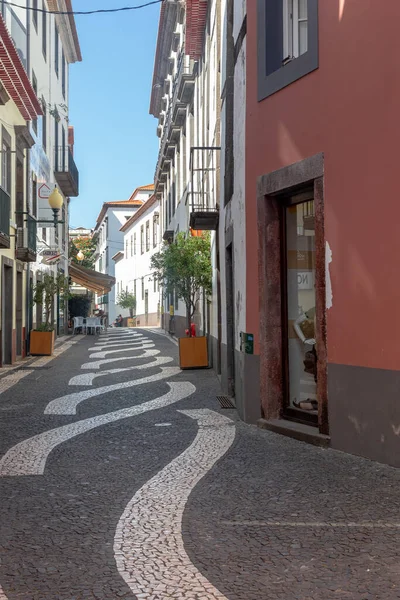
186 101
132 266
46 44
110 240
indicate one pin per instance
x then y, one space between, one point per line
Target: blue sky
115 137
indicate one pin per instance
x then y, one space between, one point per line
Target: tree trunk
188 319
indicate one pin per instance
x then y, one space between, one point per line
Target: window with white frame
131 245
134 243
295 28
287 32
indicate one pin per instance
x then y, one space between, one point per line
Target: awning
14 78
92 280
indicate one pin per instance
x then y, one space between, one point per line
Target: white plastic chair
93 323
78 323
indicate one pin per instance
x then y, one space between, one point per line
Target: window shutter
274 35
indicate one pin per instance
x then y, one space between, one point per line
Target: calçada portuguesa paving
122 478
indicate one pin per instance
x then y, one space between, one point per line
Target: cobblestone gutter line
148 544
29 457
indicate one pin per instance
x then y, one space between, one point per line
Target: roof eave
166 27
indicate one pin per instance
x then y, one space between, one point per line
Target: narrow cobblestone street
121 477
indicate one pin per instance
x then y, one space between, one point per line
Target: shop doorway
19 311
292 325
146 308
299 319
7 312
230 320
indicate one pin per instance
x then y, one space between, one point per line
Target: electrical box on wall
247 342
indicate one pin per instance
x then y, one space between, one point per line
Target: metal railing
31 226
5 207
182 70
64 163
203 166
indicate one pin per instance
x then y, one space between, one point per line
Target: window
101 264
288 43
134 243
131 245
63 74
34 13
142 288
56 144
126 248
34 85
56 50
106 251
295 26
44 126
142 239
44 234
155 230
134 287
6 167
147 236
44 29
155 283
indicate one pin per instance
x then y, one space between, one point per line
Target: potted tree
44 293
184 268
128 300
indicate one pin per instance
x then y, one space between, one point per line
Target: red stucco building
322 243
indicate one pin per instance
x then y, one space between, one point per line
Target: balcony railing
26 240
66 172
5 207
204 201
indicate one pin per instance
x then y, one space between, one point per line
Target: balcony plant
184 268
128 300
44 294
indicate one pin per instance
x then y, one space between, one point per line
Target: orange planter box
193 352
42 343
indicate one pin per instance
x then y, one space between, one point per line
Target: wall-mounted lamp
80 256
56 202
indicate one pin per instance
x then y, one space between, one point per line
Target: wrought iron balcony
185 78
103 299
204 205
66 172
26 240
5 207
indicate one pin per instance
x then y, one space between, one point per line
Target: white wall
135 265
200 129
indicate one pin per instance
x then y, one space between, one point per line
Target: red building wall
347 109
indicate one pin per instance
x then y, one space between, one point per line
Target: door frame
272 187
6 263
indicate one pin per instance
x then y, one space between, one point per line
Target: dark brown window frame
271 189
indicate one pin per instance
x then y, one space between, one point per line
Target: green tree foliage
88 247
127 300
44 294
185 267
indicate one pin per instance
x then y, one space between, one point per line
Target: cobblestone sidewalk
120 477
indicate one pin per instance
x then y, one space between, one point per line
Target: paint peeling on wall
328 260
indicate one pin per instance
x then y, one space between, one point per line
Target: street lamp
80 256
56 202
